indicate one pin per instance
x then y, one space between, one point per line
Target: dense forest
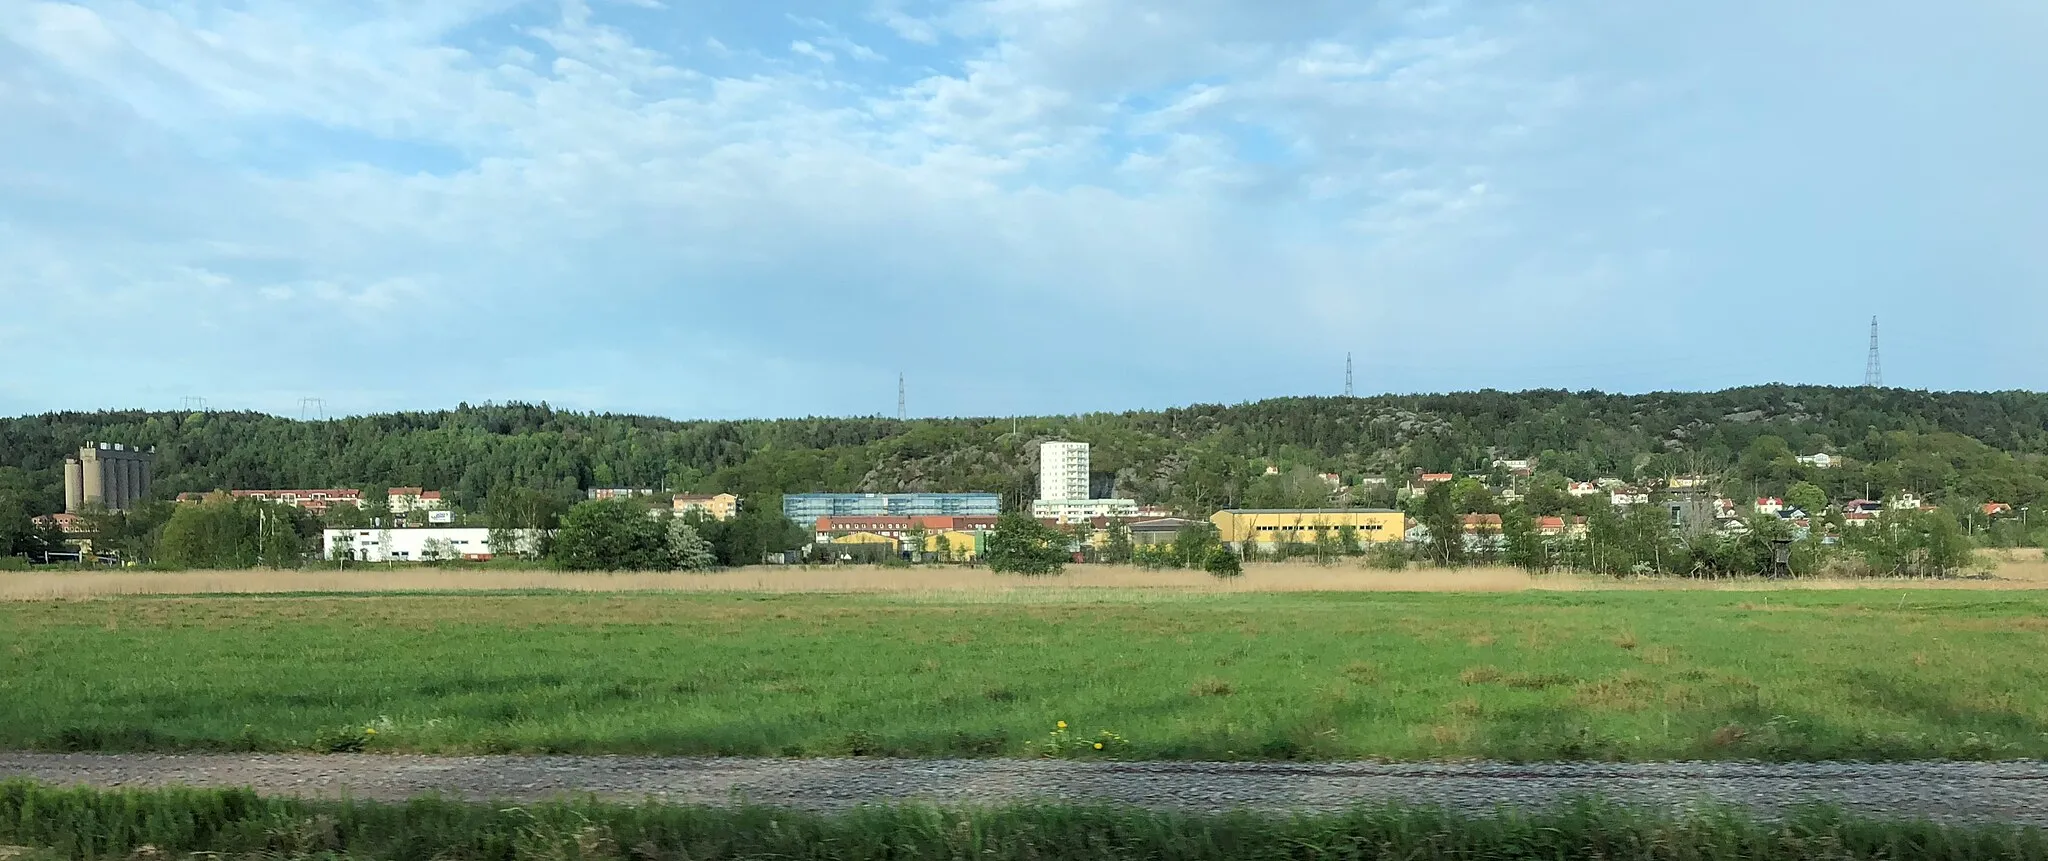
1953 447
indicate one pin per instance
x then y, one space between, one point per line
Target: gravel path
2011 791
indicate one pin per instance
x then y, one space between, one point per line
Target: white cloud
367 174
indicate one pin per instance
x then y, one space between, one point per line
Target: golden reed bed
1080 580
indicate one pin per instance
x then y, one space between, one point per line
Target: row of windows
1369 527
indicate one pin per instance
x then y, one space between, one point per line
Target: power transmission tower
192 404
901 413
1347 375
312 409
1873 370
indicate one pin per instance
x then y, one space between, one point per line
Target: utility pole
1873 368
901 413
1347 375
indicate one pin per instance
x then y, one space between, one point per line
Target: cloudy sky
751 208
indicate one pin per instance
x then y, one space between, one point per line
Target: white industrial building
421 544
1063 487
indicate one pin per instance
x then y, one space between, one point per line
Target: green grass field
44 824
1593 675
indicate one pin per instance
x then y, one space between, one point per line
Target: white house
420 545
1583 488
1820 461
1623 497
1770 505
1906 501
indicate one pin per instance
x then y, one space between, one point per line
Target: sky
743 208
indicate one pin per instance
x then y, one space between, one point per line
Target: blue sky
723 208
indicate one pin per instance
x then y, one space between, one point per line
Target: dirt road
2009 792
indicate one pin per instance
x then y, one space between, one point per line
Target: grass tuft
39 823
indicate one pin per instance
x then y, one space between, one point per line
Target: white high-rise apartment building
1063 470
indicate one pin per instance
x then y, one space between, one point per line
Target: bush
1390 556
1221 562
13 563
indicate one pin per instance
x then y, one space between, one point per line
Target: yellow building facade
867 539
1268 526
718 506
957 546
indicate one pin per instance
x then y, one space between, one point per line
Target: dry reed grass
1084 581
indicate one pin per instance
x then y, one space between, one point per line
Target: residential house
1625 497
1820 461
1858 519
717 506
402 500
310 500
1332 479
1558 527
1906 500
1997 509
1513 464
1685 482
1583 488
1609 483
1863 506
617 492
1770 505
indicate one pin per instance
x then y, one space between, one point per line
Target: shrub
1221 562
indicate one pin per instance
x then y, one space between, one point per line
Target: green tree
1022 545
1191 545
611 535
1446 524
219 533
1527 549
688 551
751 536
512 511
1808 497
18 532
1220 562
1116 547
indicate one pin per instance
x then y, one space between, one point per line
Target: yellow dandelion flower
370 731
1063 724
1098 745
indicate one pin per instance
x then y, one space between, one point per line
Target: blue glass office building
807 507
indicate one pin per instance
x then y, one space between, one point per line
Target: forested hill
1957 446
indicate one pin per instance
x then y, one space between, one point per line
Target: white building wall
1078 510
411 545
1063 470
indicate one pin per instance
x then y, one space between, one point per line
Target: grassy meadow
45 824
1614 675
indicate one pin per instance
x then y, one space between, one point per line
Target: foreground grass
87 824
1531 676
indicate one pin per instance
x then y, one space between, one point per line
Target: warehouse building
1271 526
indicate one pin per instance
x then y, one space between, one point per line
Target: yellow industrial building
1302 525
